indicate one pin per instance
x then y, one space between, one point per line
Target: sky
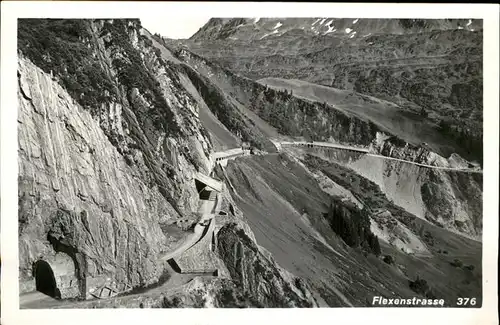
174 27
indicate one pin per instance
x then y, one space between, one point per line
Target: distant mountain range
426 67
260 28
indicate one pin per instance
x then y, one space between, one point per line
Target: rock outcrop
396 148
450 199
257 274
97 181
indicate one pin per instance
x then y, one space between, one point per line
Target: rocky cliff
254 272
109 140
98 179
449 199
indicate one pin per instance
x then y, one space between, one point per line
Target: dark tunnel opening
174 265
45 280
203 190
199 185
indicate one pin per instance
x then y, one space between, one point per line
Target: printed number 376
466 301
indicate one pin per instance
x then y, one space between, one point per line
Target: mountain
260 28
121 133
109 142
423 67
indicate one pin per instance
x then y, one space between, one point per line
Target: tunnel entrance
173 264
207 187
45 279
204 191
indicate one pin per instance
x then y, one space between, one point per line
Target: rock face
77 193
257 274
396 148
97 181
105 164
449 199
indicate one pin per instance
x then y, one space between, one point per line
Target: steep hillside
430 68
413 128
451 200
103 162
290 212
312 112
110 137
121 134
275 113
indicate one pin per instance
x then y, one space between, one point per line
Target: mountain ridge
259 28
115 123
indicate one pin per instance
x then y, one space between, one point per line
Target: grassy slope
221 137
439 71
388 116
273 192
269 112
444 245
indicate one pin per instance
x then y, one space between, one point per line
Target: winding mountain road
207 209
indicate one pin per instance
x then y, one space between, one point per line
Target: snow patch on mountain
273 32
348 30
355 21
278 25
331 29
